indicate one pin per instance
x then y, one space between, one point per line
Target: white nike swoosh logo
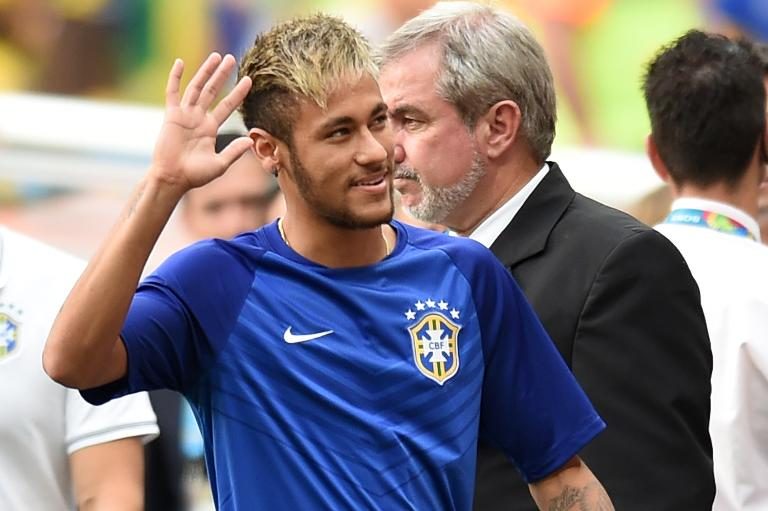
292 338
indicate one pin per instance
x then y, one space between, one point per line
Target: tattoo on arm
589 498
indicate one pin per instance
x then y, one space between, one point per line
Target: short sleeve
180 319
532 407
87 425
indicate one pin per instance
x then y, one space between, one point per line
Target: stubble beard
437 202
336 214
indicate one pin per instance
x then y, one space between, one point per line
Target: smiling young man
335 359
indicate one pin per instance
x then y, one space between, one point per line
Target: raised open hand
185 153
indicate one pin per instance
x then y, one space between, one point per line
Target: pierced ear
502 122
653 154
266 148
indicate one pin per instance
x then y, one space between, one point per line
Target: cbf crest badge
9 336
435 339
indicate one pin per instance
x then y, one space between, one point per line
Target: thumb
234 150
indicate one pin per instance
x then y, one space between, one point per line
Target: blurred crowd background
120 51
114 55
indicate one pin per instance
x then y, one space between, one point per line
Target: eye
213 208
256 201
411 122
338 133
380 121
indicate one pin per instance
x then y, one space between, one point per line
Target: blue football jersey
360 388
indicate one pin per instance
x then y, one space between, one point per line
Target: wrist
161 186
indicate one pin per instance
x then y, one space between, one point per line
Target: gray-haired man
472 103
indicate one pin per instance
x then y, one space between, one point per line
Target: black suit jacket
619 302
164 460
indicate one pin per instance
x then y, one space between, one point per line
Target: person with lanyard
707 105
335 359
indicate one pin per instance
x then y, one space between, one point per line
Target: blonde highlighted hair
303 58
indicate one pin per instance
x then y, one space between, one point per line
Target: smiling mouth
373 181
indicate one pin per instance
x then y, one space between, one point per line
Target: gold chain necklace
281 229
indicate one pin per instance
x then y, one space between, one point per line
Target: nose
399 153
373 150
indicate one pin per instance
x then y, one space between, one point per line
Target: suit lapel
527 233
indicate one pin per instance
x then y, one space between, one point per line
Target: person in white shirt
707 105
57 452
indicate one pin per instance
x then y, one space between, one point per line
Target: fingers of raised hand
205 86
233 151
195 87
216 82
232 100
174 79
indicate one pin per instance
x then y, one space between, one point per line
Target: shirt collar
722 208
490 228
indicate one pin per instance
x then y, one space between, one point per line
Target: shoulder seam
469 285
224 346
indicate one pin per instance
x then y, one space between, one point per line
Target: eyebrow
407 109
345 120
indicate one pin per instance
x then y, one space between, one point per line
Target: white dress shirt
732 274
490 228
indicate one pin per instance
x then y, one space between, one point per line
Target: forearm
573 487
83 348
